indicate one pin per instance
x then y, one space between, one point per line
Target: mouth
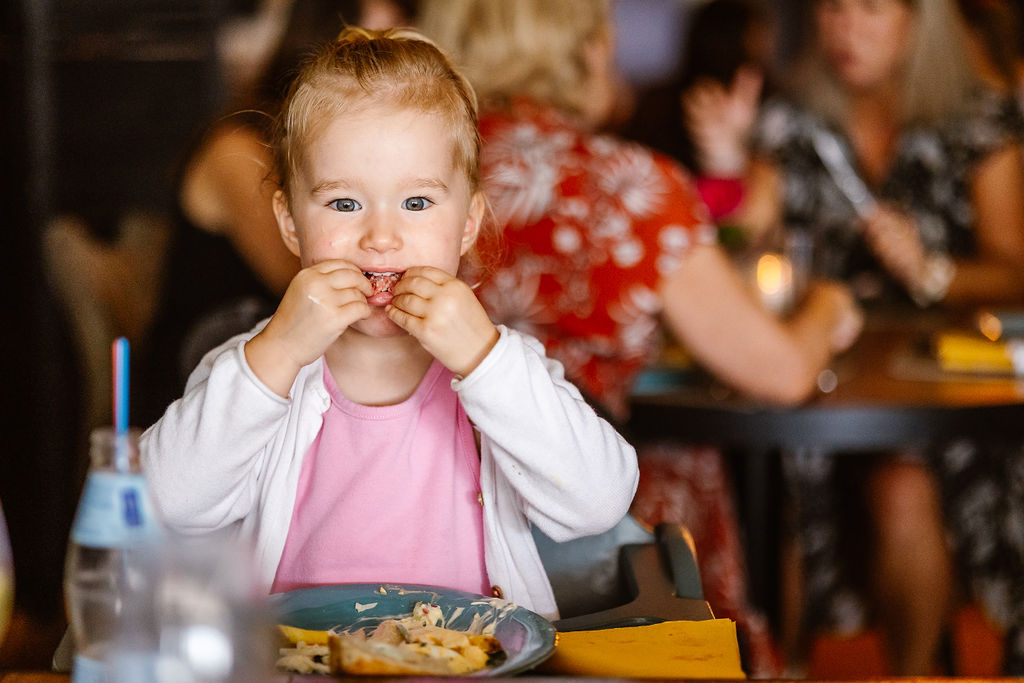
382 283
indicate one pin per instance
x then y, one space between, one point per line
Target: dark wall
97 99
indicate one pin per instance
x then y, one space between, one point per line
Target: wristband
721 195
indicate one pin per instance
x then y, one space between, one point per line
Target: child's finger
337 298
410 304
406 321
428 273
347 278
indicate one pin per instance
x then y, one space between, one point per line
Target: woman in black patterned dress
891 83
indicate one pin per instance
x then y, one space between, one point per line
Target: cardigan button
480 498
496 591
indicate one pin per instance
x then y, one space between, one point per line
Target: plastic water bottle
110 557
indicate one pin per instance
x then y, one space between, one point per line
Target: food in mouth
382 283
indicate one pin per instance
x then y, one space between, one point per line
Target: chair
106 290
627 576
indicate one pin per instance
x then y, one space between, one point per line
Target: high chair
631 604
627 576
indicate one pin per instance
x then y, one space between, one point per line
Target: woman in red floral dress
607 246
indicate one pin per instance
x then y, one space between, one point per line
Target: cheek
888 55
899 40
322 243
313 250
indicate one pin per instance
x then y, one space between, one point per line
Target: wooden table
45 677
885 393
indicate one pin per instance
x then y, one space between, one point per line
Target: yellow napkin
964 352
672 649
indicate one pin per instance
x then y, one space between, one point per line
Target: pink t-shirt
389 494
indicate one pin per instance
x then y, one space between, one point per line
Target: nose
381 232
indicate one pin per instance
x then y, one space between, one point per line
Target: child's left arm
443 313
574 474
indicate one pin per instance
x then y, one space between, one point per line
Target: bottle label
115 511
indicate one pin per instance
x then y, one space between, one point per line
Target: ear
285 223
603 87
477 207
599 51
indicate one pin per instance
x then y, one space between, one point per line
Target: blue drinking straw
119 356
119 353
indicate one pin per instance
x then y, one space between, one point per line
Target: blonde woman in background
607 247
892 82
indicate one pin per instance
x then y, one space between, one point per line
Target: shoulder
527 130
230 158
988 121
228 144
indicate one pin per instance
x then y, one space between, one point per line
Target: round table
887 392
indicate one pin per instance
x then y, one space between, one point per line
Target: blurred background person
892 82
259 29
729 46
938 146
607 246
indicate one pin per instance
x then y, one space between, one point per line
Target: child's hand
442 312
318 306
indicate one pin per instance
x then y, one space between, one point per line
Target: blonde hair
936 80
519 47
399 68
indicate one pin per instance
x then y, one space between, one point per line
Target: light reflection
774 276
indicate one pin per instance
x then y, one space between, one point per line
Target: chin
379 325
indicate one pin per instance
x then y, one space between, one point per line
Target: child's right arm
205 455
319 304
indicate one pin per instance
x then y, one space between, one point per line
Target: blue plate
527 638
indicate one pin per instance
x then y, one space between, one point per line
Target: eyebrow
430 183
330 186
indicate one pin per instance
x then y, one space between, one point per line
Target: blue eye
416 203
345 205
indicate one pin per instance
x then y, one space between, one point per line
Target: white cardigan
229 452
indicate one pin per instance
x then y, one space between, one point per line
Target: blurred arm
228 190
720 321
997 273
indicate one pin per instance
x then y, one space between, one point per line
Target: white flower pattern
593 224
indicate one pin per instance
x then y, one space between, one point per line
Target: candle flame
770 278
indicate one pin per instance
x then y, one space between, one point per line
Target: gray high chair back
626 576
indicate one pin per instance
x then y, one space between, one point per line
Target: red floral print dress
591 225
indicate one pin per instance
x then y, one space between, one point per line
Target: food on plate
304 659
306 651
416 644
303 635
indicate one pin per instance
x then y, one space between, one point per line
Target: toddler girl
378 427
